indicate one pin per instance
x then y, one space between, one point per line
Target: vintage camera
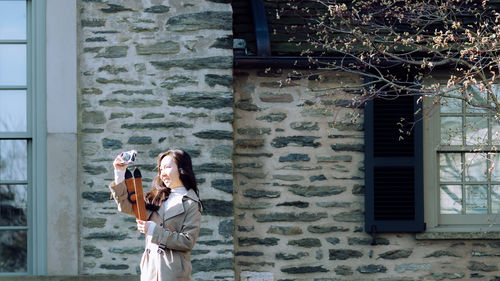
128 157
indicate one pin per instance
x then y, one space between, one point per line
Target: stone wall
299 193
154 75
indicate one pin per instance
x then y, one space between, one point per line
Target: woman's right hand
119 164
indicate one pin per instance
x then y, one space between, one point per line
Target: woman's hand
142 226
119 164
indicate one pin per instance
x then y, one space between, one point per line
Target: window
464 141
22 139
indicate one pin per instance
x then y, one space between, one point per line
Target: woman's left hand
142 226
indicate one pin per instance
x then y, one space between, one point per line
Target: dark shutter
393 166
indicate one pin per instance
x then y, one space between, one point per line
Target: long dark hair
160 192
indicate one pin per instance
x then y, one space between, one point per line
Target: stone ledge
72 278
448 235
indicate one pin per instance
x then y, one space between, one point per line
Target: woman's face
169 173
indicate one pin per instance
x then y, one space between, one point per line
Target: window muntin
469 162
16 137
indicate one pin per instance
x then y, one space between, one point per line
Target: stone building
282 178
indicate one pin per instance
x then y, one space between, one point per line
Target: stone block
160 48
132 103
224 117
139 140
93 22
301 141
367 241
295 157
288 177
351 216
111 143
127 250
157 9
254 131
225 185
249 143
255 193
114 8
202 20
442 253
343 270
401 268
112 69
481 266
223 80
251 241
297 204
284 230
248 254
348 147
317 178
214 134
94 170
288 256
326 228
225 168
333 240
304 126
201 100
396 254
133 92
225 42
312 191
107 235
91 91
114 266
226 228
273 117
276 98
219 62
94 222
113 52
220 208
344 254
371 269
177 81
155 126
91 251
303 269
293 217
305 242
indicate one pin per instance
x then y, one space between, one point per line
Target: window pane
451 199
450 105
495 172
450 167
12 20
479 100
13 111
495 199
476 130
13 160
476 167
495 131
476 199
12 65
13 251
13 205
451 130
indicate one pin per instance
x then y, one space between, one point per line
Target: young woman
174 215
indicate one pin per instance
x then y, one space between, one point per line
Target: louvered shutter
393 166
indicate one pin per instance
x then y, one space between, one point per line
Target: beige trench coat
167 253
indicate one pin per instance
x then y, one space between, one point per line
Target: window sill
460 233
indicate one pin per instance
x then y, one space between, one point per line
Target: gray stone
340 126
140 67
273 117
245 228
111 143
295 157
156 126
255 264
344 254
96 39
494 244
220 208
401 268
319 255
215 242
91 50
333 204
114 266
276 98
287 256
119 81
111 69
268 155
140 140
445 275
91 251
326 228
107 235
251 241
225 185
254 131
303 269
176 81
297 204
303 141
255 193
133 103
205 232
223 42
358 189
249 143
113 8
199 252
113 52
224 117
94 222
304 126
193 115
371 268
288 177
226 228
127 250
396 254
202 20
91 91
254 205
367 241
94 170
93 22
348 147
161 48
138 28
317 178
442 253
293 217
158 9
153 116
284 230
223 80
196 63
300 167
311 191
246 105
343 270
248 254
333 240
351 216
481 266
225 168
484 254
305 242
214 134
133 92
201 100
334 159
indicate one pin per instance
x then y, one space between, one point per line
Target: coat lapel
174 211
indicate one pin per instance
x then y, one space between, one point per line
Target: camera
128 157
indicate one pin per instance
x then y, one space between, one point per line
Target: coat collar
179 208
